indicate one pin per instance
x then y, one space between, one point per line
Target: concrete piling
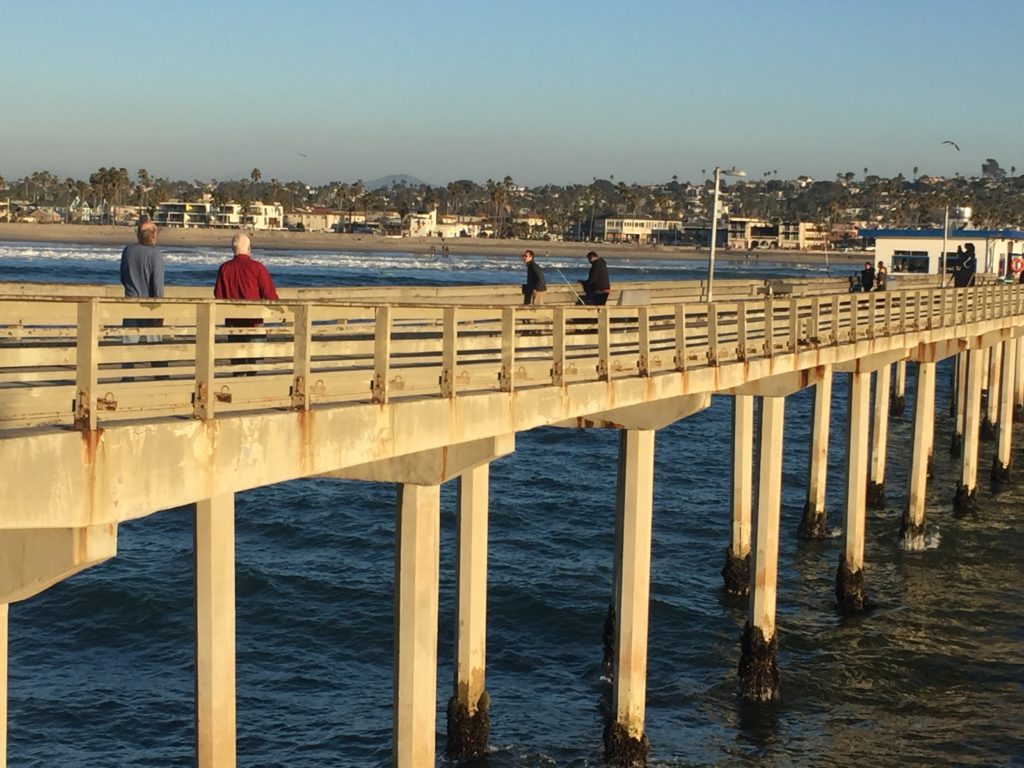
990 419
417 567
758 666
215 631
813 522
879 440
913 524
1003 459
625 743
960 400
964 499
736 571
850 583
898 403
469 707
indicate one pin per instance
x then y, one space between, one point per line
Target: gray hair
240 243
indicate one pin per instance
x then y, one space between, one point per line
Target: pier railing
96 361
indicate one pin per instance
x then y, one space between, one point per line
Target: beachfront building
747 234
422 224
920 250
636 228
315 219
207 213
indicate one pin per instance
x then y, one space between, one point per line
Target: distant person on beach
881 276
142 275
867 277
597 286
963 277
534 279
244 278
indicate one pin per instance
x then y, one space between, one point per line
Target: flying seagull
955 145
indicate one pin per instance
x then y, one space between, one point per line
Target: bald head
240 243
146 232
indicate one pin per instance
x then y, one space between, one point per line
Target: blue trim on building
954 234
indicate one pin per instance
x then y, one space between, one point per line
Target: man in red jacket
244 278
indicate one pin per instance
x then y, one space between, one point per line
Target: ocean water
101 665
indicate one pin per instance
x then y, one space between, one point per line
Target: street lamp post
714 223
945 235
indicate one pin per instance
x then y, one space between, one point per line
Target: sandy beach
329 241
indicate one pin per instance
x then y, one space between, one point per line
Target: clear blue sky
542 90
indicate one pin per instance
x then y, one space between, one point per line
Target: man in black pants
867 277
596 287
534 279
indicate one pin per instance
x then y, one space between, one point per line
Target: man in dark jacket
963 277
534 279
596 287
867 277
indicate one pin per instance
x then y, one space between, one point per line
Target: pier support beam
879 439
215 631
417 566
994 357
468 716
812 524
960 405
1004 455
469 709
913 523
1018 388
850 584
624 739
759 667
964 501
4 640
736 571
899 388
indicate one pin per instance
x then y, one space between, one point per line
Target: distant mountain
386 182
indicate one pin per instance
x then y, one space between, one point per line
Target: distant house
40 216
423 224
617 228
747 234
314 219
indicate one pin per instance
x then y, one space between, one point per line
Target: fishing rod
579 299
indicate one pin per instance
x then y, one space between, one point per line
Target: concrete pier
964 499
625 743
759 667
416 389
850 582
215 631
1003 459
813 523
879 439
913 524
736 571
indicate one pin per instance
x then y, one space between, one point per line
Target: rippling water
101 669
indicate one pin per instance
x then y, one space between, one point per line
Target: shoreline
105 234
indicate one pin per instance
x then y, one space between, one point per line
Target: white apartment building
206 213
